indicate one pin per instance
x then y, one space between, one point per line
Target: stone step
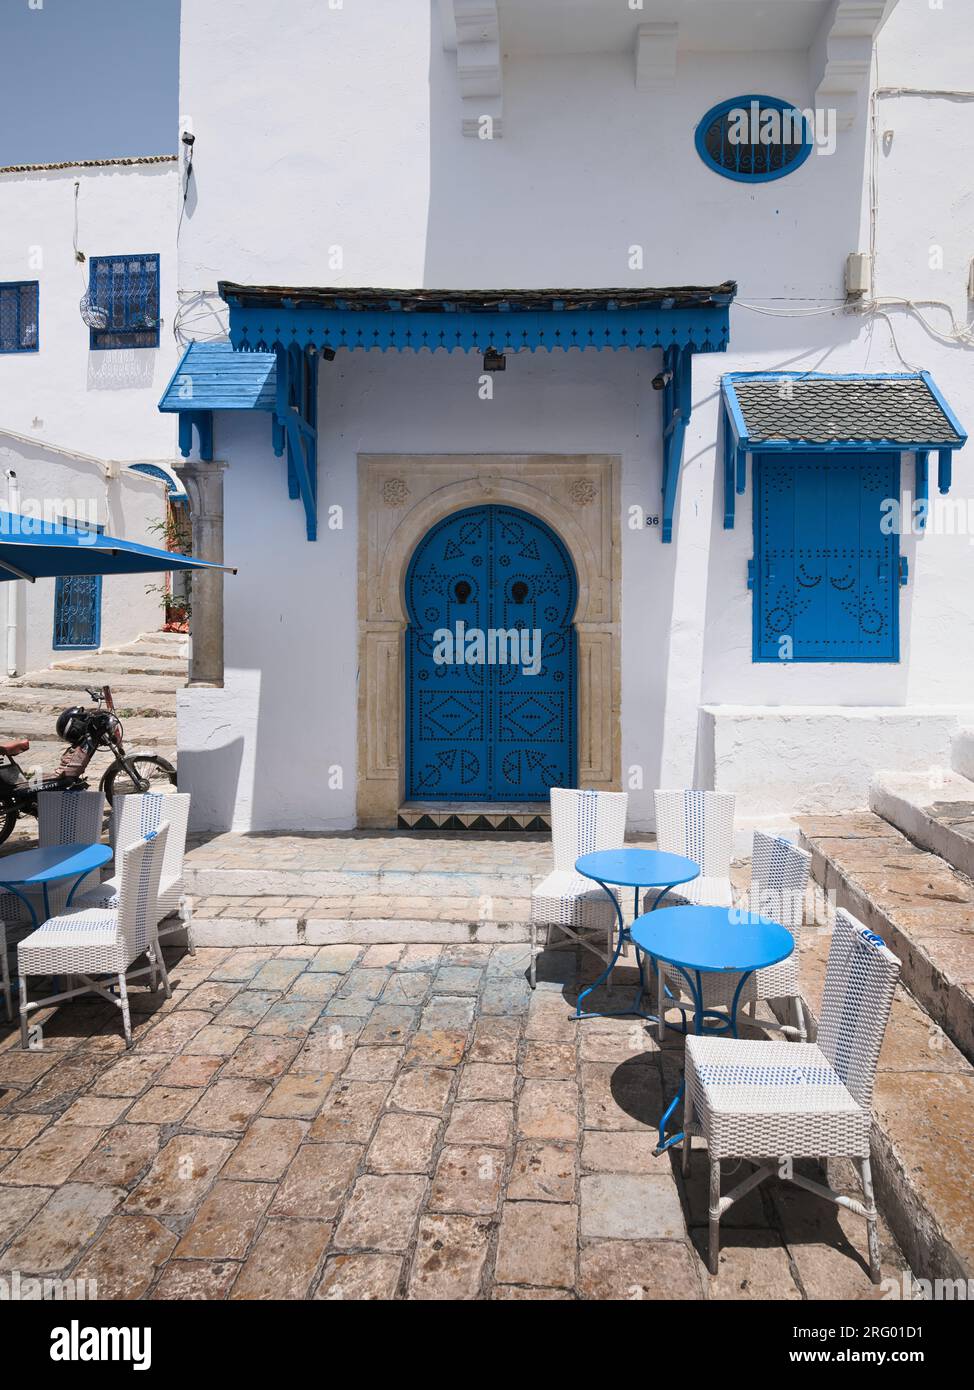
935 811
129 704
218 921
921 907
923 1128
74 682
104 665
175 651
367 881
139 731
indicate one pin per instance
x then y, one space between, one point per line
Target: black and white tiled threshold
453 816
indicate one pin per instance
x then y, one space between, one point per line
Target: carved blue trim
701 329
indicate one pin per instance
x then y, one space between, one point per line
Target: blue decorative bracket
922 499
202 421
945 468
677 377
294 427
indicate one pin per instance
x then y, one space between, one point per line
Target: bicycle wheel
145 772
8 819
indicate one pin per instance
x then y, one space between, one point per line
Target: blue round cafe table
38 868
705 940
636 869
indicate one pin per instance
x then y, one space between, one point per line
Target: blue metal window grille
77 611
125 289
825 574
18 316
77 606
751 160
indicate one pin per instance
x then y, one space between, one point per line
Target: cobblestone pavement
391 1121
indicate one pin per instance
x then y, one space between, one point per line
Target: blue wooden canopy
278 334
211 376
882 412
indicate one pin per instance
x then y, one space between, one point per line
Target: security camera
188 138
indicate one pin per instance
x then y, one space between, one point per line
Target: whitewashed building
688 496
79 435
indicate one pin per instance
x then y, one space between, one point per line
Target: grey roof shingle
477 301
836 409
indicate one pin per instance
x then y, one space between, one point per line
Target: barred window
754 138
123 301
18 316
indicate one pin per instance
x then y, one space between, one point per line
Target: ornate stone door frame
400 497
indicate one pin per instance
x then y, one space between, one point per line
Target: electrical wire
195 309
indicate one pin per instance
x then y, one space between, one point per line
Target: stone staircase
144 676
905 868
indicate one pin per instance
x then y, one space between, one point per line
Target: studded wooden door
490 660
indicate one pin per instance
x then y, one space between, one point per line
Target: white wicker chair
5 973
700 826
63 818
132 817
779 877
773 1102
566 902
102 941
66 818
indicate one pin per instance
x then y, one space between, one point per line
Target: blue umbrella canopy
34 549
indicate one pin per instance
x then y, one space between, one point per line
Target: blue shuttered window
18 316
826 576
124 292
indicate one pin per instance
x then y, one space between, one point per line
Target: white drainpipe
13 585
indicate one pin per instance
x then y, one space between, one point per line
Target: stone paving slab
437 1151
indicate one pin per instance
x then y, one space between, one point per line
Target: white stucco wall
588 167
65 400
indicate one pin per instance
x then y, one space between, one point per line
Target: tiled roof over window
904 410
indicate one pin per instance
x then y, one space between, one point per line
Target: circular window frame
735 103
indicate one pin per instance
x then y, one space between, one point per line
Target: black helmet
71 724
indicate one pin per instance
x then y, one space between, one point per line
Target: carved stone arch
400 498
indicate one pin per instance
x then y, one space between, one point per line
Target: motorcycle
85 730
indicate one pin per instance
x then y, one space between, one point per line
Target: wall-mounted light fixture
494 361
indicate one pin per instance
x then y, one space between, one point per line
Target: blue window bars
121 307
18 316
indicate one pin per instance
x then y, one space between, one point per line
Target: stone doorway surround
400 497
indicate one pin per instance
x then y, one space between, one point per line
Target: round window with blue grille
754 138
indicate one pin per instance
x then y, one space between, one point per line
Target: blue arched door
490 660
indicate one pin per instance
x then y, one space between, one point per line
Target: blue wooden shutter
825 574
